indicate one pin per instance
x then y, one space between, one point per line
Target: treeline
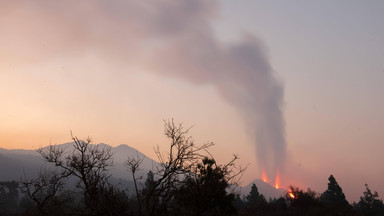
190 200
188 181
297 201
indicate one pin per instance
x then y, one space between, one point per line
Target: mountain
14 166
120 155
17 163
264 188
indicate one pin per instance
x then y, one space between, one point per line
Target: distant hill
14 166
120 155
16 163
264 188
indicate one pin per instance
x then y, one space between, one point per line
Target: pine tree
369 203
150 195
334 199
334 194
204 192
255 199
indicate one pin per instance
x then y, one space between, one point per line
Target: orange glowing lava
265 179
277 181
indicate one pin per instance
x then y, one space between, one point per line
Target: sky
290 86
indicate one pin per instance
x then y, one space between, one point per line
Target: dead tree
89 164
233 173
182 157
43 188
133 165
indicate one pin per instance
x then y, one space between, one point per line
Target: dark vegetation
188 181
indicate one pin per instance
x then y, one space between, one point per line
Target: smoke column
171 38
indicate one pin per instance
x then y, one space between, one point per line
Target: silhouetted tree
44 188
183 155
255 202
334 199
133 165
89 164
179 167
334 194
277 207
8 197
304 202
370 204
151 202
204 192
238 203
255 199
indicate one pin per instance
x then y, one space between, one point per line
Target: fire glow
291 195
277 181
265 179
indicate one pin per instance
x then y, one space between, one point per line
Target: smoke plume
171 38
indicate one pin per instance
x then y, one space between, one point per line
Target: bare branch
87 162
182 157
44 187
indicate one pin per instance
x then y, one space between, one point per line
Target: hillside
16 163
264 188
19 162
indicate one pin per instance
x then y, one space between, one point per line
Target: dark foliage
182 157
186 178
43 189
255 199
8 197
89 165
133 165
334 199
370 204
204 192
256 202
187 182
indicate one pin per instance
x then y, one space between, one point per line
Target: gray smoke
172 38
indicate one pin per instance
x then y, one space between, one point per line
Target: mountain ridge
20 163
264 188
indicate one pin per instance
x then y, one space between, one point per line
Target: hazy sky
113 70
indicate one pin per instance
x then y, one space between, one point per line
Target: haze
308 76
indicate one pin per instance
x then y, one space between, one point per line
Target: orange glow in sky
97 78
277 181
265 179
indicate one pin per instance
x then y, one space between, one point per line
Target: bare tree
43 188
88 163
133 164
233 173
182 157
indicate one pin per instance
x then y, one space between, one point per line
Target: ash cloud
171 38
